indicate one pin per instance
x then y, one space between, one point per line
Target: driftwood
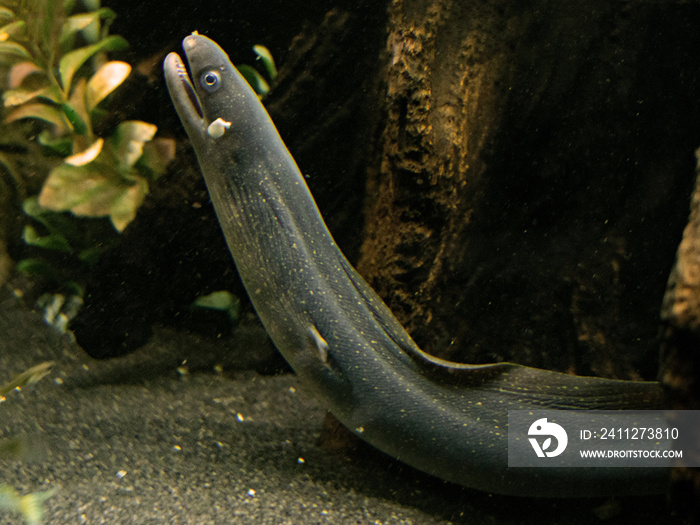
680 358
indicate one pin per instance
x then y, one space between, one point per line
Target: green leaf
69 6
19 96
12 50
102 83
222 301
69 186
11 169
93 190
39 111
256 81
73 287
56 223
98 116
127 142
29 505
124 207
89 255
22 70
87 155
79 125
37 267
266 58
62 146
12 29
5 13
54 241
81 116
53 94
71 62
157 154
31 208
92 4
28 377
78 22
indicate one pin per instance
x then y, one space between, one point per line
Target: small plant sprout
30 506
255 79
265 57
28 377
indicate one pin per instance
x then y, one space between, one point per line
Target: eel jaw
183 94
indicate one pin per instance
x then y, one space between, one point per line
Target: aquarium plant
28 505
255 79
60 75
60 83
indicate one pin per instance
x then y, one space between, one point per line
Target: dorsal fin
428 364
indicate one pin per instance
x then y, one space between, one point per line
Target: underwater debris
28 377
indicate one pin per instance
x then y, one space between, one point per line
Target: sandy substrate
134 440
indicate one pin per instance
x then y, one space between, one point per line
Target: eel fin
428 364
319 343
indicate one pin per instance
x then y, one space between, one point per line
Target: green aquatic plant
23 448
111 177
28 377
60 76
217 312
255 79
59 89
39 45
30 506
64 249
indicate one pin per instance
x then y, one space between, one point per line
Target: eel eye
210 81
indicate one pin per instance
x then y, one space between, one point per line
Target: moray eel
343 342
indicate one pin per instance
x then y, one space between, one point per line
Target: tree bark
680 356
532 175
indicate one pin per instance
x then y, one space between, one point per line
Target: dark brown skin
447 419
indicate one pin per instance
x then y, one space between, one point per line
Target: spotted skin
447 419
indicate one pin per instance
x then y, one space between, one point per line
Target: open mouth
179 82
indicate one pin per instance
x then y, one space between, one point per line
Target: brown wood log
532 171
680 357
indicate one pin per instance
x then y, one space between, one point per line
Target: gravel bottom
147 439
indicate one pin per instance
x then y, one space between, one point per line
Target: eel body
447 419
